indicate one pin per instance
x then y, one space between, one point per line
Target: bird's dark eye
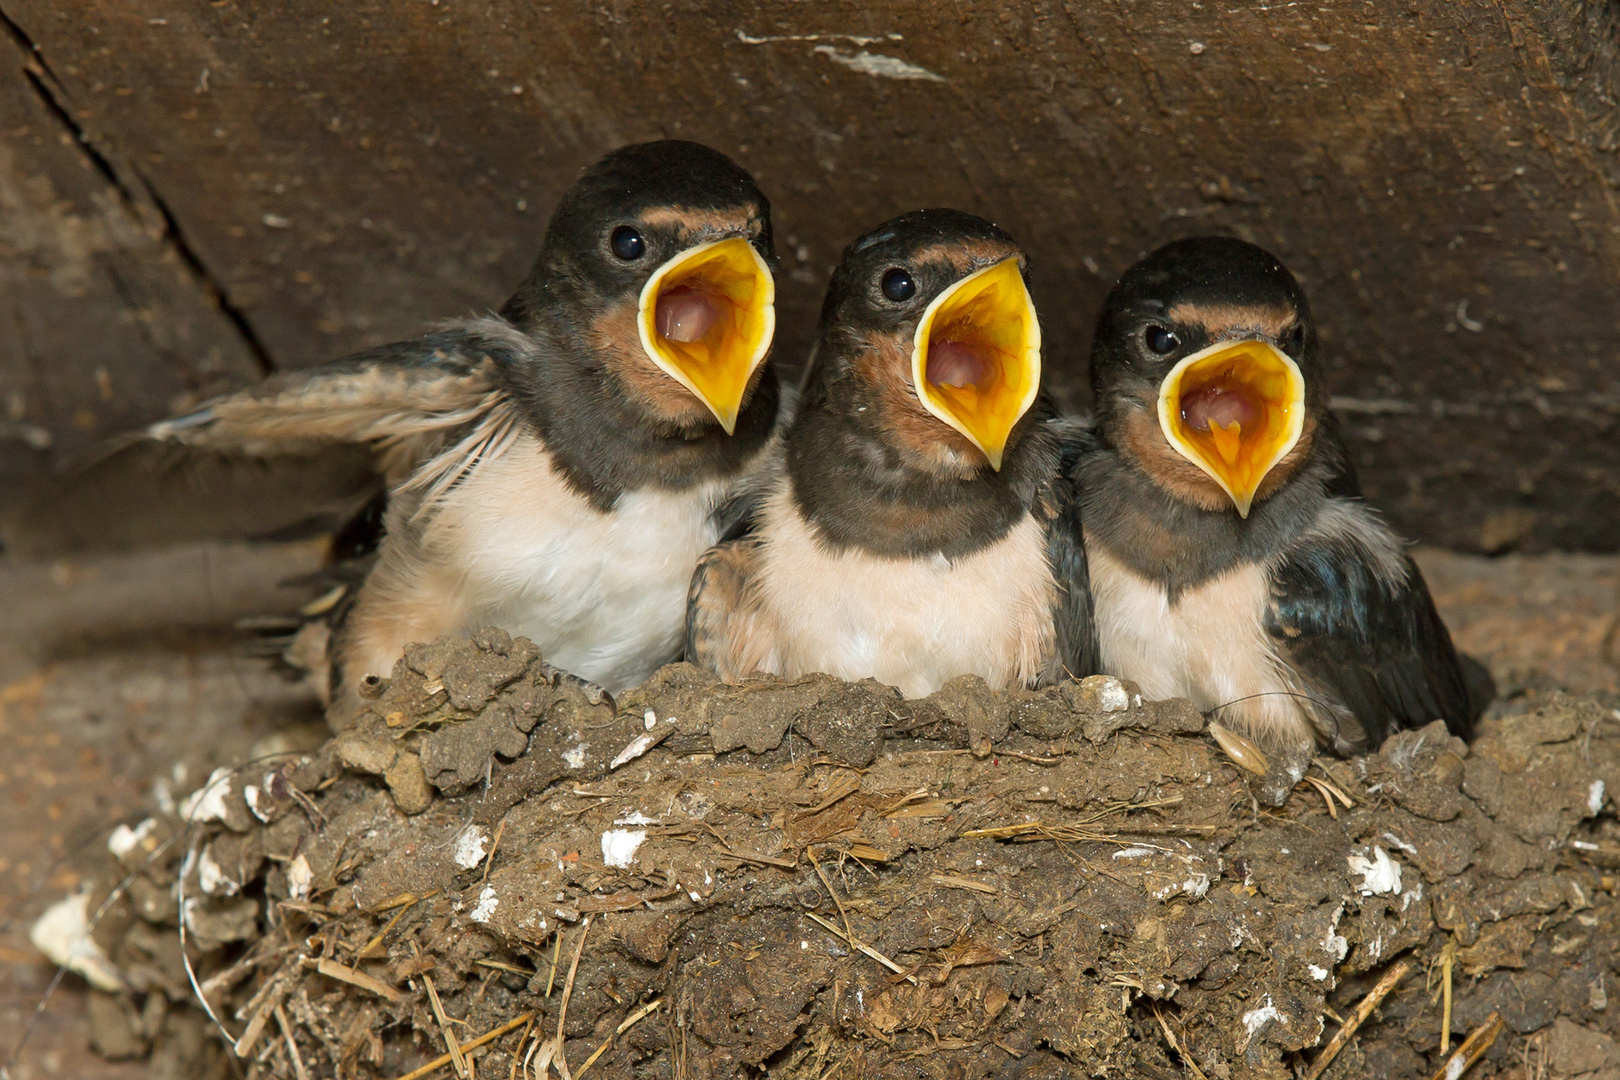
627 243
898 286
1161 340
1296 340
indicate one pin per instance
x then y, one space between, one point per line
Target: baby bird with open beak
557 469
923 529
1232 558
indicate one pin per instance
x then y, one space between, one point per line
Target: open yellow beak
976 360
706 318
1234 409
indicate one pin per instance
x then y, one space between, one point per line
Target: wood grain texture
1438 172
103 324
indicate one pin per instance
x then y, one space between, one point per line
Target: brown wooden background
194 194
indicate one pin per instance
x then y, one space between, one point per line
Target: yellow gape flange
1234 409
706 318
976 359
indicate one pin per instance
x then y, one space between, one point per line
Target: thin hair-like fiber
496 431
1273 693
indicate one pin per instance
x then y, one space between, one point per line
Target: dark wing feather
1360 627
296 455
404 401
1078 653
735 517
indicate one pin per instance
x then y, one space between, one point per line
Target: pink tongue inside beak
1218 405
686 314
951 363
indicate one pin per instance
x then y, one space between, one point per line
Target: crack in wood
54 97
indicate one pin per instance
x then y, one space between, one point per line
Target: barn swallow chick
1232 558
922 513
558 468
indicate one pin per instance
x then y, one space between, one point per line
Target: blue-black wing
296 455
405 402
1058 507
1351 613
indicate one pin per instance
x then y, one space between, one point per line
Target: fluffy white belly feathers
911 623
1210 646
512 545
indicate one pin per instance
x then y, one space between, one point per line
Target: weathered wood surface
102 321
1440 172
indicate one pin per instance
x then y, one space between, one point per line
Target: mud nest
819 879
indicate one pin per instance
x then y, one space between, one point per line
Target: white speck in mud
1138 701
1594 798
804 945
1379 874
693 893
487 903
575 758
1455 1067
636 817
1132 852
649 720
636 747
1111 695
877 65
125 839
251 793
619 846
1320 974
207 803
1196 48
299 877
1335 942
62 933
212 877
1255 1019
1397 842
470 847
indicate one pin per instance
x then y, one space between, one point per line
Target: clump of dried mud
1071 882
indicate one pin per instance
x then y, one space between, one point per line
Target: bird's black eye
627 243
1296 340
1161 340
898 286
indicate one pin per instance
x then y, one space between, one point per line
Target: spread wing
296 455
1351 612
405 402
